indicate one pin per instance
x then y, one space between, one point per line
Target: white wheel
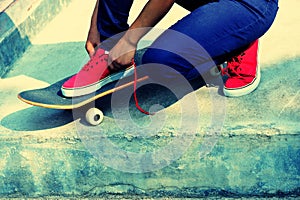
94 116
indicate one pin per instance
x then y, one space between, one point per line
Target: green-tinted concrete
256 155
41 61
43 152
21 21
240 166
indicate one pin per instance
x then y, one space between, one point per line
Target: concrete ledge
240 166
21 21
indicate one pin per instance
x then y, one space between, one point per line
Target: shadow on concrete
276 100
36 118
51 62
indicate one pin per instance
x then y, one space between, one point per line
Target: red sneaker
243 73
92 76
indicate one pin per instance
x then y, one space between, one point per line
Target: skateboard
51 97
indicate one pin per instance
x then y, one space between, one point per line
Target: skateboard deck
51 96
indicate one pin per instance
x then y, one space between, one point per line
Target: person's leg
222 28
242 71
113 17
112 21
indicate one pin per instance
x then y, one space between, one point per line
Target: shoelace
89 64
134 90
232 67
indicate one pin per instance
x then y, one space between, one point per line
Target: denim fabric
214 31
112 17
212 34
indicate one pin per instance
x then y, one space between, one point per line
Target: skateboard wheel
94 116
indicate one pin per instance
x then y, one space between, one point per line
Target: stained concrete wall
19 22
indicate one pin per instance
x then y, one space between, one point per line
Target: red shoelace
232 67
134 91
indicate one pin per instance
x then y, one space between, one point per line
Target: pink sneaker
243 73
92 76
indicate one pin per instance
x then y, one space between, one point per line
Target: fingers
93 40
90 48
115 66
115 63
119 59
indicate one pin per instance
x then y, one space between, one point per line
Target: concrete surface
4 4
44 154
20 21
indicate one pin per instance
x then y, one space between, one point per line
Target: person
227 30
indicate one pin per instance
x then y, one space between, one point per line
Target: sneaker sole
237 92
75 92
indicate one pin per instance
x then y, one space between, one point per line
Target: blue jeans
213 32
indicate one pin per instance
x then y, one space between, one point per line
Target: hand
121 55
93 40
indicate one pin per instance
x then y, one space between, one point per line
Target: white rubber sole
237 92
75 92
